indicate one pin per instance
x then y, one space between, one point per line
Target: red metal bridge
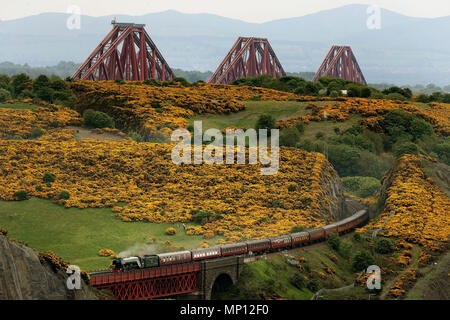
127 53
340 62
248 57
149 283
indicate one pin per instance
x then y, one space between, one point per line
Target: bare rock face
24 277
333 190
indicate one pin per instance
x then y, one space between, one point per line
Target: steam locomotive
252 247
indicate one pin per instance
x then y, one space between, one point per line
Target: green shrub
361 260
200 216
334 93
297 281
300 127
97 119
363 187
39 188
181 80
292 187
21 195
48 177
357 236
5 95
297 229
265 121
345 159
334 241
395 96
36 132
345 248
135 136
312 285
64 195
289 137
277 204
407 147
385 245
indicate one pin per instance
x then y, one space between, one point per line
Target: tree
48 177
21 195
4 95
344 159
64 195
384 245
97 119
36 132
265 121
41 82
361 260
334 241
406 147
20 82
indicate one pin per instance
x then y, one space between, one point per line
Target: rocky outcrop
331 186
24 277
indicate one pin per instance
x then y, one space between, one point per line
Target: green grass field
77 235
19 106
279 110
253 109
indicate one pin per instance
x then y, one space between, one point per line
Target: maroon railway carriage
300 238
258 246
345 225
206 253
234 249
280 242
329 229
174 258
316 234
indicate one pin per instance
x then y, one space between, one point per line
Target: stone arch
221 282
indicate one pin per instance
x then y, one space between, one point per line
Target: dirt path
83 134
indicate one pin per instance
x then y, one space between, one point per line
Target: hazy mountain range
405 50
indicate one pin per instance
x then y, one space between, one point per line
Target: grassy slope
18 106
435 284
279 110
78 234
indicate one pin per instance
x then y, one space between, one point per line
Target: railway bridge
195 280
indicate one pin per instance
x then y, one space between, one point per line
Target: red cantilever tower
340 62
247 58
127 53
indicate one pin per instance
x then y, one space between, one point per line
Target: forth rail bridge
128 53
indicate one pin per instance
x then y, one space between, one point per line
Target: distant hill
405 50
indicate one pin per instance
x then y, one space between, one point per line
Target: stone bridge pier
216 275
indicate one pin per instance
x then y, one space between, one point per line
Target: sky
246 10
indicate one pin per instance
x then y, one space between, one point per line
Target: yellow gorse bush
101 174
421 209
437 114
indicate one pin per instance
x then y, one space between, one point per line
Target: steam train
252 247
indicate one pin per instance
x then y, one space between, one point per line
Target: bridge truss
248 57
149 283
127 53
340 62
